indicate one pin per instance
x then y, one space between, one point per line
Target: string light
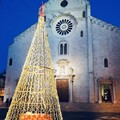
36 97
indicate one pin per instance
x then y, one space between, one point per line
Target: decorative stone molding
64 25
104 24
63 62
105 78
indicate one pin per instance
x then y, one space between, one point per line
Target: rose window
64 27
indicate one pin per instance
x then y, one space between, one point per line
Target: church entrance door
107 93
63 90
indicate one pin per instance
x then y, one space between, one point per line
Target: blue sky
17 15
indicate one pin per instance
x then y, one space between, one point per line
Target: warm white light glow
36 90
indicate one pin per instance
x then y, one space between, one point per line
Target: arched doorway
106 91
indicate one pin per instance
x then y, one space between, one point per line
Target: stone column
100 94
91 84
114 95
71 81
71 89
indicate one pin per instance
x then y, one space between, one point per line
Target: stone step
90 107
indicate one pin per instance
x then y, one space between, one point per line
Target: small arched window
81 33
10 61
105 62
84 14
63 48
45 18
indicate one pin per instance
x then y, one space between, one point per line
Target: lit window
10 62
105 62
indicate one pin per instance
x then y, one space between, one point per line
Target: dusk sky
18 15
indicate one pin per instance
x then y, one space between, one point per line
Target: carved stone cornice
106 25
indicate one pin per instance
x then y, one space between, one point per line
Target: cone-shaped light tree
35 97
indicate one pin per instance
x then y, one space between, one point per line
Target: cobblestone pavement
90 116
77 115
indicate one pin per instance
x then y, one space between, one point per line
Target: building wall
83 65
77 45
17 52
106 40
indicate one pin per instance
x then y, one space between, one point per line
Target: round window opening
64 3
64 27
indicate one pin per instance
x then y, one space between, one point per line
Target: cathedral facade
85 53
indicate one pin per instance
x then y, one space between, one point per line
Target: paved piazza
91 116
77 115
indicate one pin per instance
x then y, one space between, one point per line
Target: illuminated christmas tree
35 97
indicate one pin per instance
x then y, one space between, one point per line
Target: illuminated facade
85 53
